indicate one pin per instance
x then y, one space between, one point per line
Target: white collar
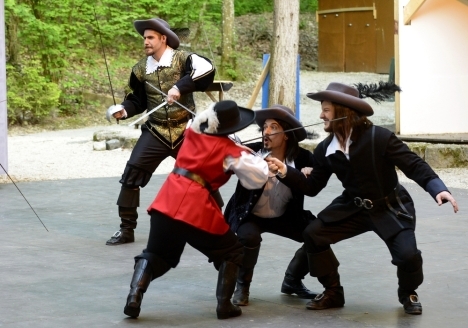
335 145
165 61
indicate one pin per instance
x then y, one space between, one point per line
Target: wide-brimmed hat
223 118
159 25
345 95
282 113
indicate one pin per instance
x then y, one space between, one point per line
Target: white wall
434 68
3 104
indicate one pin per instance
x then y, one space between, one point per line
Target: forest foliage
55 48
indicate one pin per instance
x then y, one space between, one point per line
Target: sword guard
112 110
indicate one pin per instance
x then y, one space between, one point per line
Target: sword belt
170 123
194 177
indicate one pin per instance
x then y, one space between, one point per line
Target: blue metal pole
298 91
266 84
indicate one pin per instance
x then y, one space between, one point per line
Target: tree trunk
12 42
285 47
228 61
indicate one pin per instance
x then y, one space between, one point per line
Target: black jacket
370 174
244 200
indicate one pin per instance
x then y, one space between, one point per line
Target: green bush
243 7
31 98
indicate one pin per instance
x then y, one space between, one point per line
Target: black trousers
288 226
168 237
318 236
146 156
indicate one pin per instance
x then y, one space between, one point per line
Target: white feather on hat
207 116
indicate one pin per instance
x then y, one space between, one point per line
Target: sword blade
305 126
149 113
165 95
24 197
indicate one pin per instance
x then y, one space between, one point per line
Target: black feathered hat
223 118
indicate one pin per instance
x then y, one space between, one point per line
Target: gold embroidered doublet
164 78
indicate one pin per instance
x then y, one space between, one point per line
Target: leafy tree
31 98
56 44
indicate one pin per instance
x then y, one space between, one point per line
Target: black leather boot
128 216
410 301
241 295
332 297
128 202
324 266
141 279
408 282
226 283
297 269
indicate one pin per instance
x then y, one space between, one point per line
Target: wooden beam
258 86
211 96
410 9
344 10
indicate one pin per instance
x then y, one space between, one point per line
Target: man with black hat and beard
185 211
363 157
178 74
273 208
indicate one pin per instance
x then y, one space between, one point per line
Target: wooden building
355 35
432 67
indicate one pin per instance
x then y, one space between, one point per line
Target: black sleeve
316 181
136 101
186 84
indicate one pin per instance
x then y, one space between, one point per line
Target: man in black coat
274 208
363 157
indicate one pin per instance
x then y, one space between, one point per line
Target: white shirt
251 170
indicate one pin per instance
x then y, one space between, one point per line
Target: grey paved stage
68 277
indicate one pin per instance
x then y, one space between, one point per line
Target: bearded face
273 136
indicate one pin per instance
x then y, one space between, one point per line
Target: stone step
436 155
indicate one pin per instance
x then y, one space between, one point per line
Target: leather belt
169 122
368 204
193 176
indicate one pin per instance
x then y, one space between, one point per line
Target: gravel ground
69 154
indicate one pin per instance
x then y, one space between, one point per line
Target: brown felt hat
159 25
282 113
345 95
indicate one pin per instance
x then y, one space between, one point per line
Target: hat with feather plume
352 96
223 118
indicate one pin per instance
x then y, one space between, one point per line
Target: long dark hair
341 128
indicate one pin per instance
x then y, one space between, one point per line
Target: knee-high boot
241 295
324 266
145 271
226 283
297 269
128 202
141 279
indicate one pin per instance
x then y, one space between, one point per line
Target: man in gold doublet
177 74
